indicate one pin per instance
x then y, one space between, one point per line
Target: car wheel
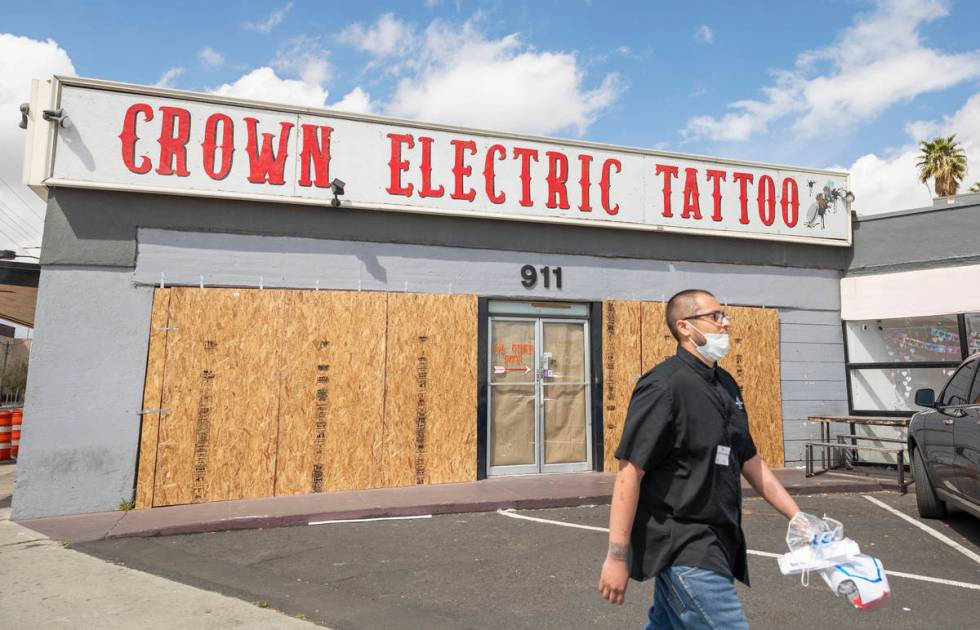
930 506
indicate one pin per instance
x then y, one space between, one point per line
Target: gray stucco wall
103 252
88 227
939 236
85 387
812 371
811 342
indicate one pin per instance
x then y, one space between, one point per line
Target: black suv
944 442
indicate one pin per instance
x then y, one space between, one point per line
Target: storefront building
220 317
910 301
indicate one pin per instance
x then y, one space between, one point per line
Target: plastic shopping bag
818 544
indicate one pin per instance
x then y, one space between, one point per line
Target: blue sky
843 83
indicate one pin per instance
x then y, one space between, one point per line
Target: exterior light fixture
337 187
25 110
9 254
58 116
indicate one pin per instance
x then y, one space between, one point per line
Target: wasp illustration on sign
825 202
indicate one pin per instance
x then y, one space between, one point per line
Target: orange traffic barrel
17 419
6 422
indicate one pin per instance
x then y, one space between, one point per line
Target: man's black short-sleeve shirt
687 428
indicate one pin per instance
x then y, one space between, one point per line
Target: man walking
676 512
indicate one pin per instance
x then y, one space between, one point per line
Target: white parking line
511 513
765 554
949 541
369 520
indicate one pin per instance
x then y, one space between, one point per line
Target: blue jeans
695 598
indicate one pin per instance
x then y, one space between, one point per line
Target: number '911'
529 276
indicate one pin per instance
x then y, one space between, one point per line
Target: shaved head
682 305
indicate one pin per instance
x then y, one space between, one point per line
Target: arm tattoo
618 551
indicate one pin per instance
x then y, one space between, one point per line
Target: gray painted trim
810 333
87 369
813 352
814 390
812 371
928 238
91 227
245 260
826 318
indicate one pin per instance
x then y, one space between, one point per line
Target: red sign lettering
557 176
743 179
668 172
128 138
462 170
606 182
265 164
209 146
315 152
397 165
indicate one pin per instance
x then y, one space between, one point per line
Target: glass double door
539 397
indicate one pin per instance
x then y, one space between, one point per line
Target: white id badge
721 458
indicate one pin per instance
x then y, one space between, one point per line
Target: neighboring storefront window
889 359
907 340
893 389
973 332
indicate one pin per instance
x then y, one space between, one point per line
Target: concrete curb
267 514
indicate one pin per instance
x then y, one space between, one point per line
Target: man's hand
615 571
615 575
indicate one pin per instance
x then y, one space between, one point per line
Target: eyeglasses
718 316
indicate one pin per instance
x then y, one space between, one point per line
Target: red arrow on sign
499 369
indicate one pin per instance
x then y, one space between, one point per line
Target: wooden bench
842 448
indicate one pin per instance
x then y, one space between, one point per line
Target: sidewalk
45 585
520 492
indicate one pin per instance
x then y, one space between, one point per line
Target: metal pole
3 371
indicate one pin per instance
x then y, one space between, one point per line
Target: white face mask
715 346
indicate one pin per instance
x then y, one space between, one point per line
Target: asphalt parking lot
491 570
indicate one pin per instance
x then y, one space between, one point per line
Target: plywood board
429 433
658 343
218 438
152 397
332 403
621 354
754 362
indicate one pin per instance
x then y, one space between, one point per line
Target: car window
975 392
957 391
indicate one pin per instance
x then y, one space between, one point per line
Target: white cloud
274 19
704 34
461 77
356 101
296 76
21 60
262 84
169 78
210 58
304 57
387 37
878 61
891 182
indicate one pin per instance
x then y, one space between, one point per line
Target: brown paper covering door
636 334
565 410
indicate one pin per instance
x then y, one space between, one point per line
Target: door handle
948 421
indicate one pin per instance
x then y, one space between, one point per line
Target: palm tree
975 187
943 160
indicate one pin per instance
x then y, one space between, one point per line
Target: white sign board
144 139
